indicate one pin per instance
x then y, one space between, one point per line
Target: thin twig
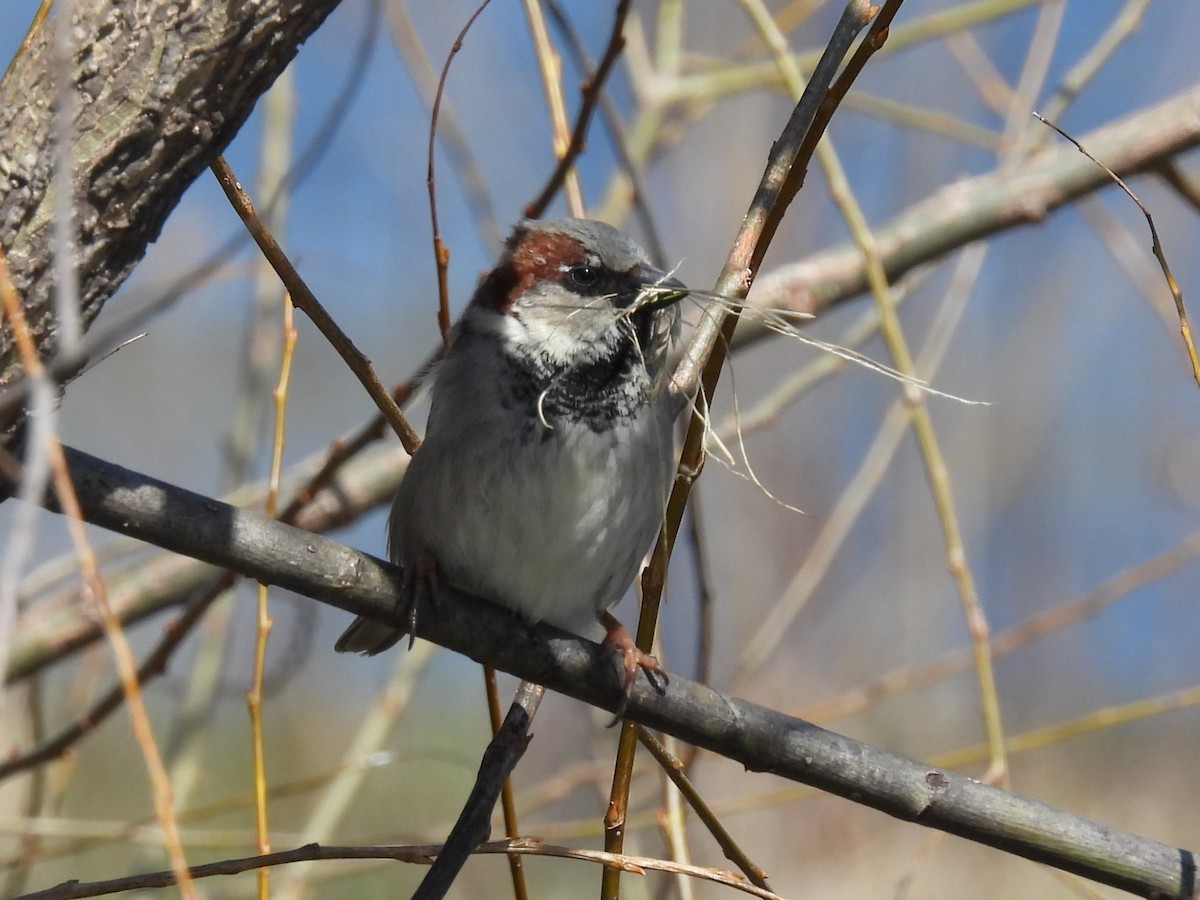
617 136
1185 328
674 769
592 91
441 253
450 133
263 623
418 854
838 521
306 301
550 67
1097 720
95 592
936 469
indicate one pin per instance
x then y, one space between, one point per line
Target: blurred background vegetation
1080 471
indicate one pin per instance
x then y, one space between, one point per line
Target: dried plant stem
1097 720
94 590
592 91
550 67
418 854
936 470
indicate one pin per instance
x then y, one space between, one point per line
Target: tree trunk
159 89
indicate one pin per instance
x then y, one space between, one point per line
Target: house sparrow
548 454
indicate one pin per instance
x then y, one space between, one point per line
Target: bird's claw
619 640
422 584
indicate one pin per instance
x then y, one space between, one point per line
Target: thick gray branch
52 627
759 738
160 89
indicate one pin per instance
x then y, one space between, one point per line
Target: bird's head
577 292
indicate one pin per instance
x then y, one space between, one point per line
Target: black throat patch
598 393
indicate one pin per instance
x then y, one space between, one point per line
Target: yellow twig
837 523
920 675
1096 720
93 590
254 697
699 371
550 66
935 466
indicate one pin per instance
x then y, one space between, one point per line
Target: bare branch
759 738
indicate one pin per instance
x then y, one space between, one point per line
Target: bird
548 453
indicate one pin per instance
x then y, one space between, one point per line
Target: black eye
584 276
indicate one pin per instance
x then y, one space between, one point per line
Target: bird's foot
422 584
619 640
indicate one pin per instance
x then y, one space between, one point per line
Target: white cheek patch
561 331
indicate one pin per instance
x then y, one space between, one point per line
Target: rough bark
160 88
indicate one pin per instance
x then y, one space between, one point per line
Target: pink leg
619 640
